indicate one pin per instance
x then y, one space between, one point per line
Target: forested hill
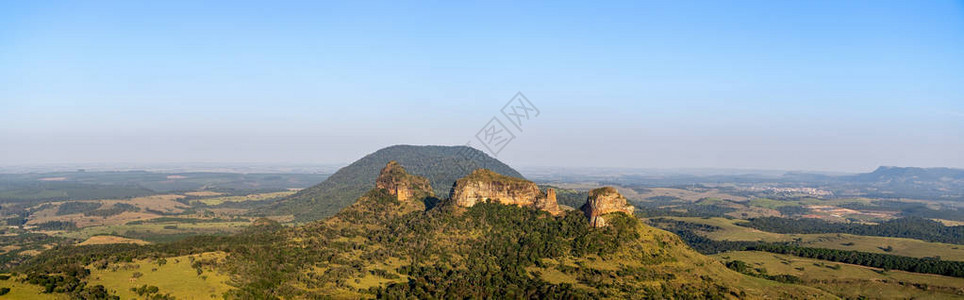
908 174
928 183
387 247
442 165
383 246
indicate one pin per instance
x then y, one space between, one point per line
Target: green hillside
383 247
442 165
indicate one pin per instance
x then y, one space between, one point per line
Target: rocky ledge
483 184
602 201
399 183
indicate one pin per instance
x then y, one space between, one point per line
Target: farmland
42 211
850 280
730 231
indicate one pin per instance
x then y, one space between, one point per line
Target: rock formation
483 184
603 201
399 183
548 203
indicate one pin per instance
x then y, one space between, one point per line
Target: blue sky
805 85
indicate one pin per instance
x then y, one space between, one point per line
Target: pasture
175 276
852 281
897 246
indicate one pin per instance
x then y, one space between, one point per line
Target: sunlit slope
382 247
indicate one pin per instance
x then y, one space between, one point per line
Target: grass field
155 232
732 232
157 203
770 203
26 291
690 196
109 239
176 277
203 194
251 197
852 281
901 246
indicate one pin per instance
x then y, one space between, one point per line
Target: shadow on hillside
431 202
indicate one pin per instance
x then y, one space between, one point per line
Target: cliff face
548 203
483 184
603 201
399 183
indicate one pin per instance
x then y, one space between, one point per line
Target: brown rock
605 200
548 202
483 184
399 183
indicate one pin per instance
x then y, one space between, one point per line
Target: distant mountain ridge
441 165
891 173
911 182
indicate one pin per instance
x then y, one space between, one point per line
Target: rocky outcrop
602 201
482 185
399 183
548 203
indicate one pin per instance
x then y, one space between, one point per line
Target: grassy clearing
203 194
156 232
26 291
851 280
949 222
148 207
555 276
176 277
900 246
690 196
164 203
251 197
107 239
771 204
732 232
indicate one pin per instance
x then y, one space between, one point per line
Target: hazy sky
804 85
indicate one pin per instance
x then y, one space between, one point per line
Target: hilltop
908 173
441 165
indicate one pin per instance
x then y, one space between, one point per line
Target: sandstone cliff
603 201
482 185
399 183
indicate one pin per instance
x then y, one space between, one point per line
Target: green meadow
730 231
852 281
26 291
176 277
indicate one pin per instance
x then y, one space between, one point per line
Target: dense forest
911 227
